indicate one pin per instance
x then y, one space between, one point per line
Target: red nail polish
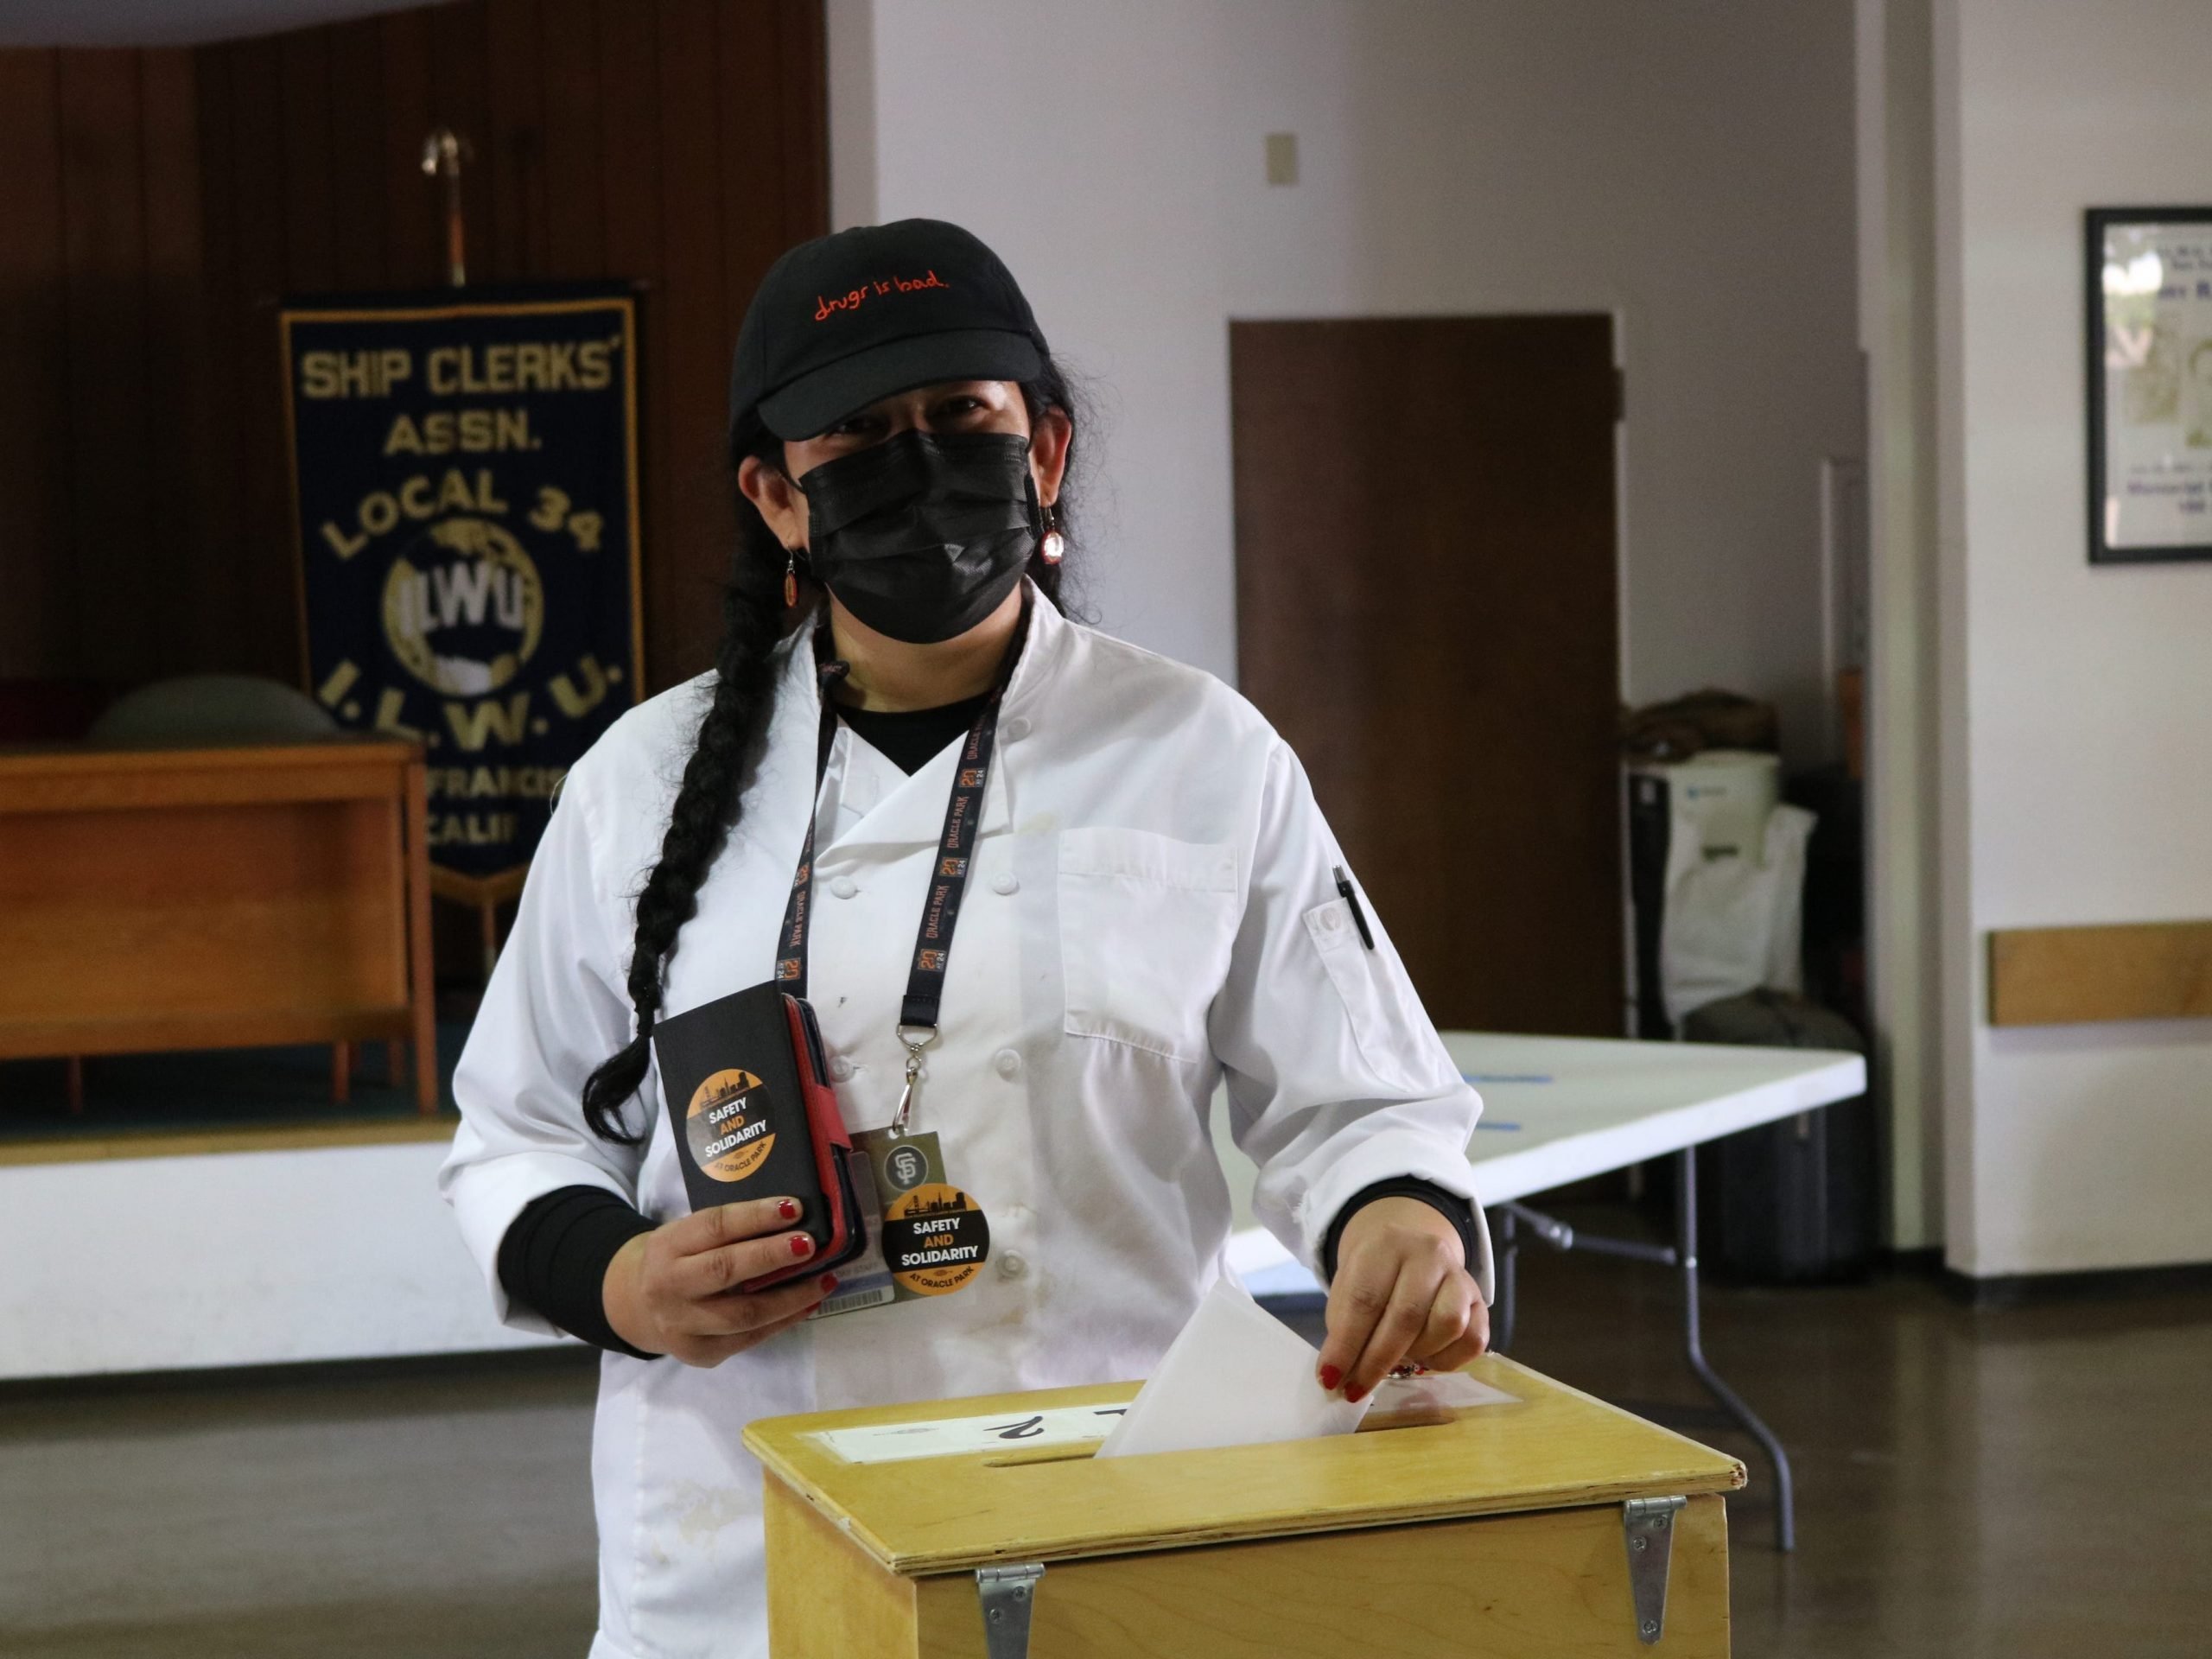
1355 1395
1331 1375
788 1209
802 1245
828 1283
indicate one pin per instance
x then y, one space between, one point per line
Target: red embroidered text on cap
823 308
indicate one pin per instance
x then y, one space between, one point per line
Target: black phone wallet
749 1099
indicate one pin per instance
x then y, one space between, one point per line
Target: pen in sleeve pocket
1359 916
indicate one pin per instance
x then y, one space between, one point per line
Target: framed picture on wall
2150 382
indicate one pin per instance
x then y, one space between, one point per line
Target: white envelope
1235 1375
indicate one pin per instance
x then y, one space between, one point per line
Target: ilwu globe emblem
465 477
463 607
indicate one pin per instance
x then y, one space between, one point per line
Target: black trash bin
1794 1202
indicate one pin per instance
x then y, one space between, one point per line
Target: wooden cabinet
1554 1527
215 898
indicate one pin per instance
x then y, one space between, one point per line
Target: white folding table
1557 1109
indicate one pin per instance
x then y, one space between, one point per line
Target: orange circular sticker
727 1128
935 1238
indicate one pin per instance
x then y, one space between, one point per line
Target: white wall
1896 319
1686 165
2084 778
246 1258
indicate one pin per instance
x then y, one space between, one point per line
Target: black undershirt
910 738
553 1260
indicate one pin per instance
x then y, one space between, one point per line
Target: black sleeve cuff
554 1260
1453 1208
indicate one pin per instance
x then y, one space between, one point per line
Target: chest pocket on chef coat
1147 924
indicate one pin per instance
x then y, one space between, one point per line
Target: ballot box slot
1043 1454
1419 1416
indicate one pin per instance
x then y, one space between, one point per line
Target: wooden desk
1554 1525
215 898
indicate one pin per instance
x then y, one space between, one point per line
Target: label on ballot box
949 1436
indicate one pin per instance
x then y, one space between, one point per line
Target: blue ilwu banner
466 472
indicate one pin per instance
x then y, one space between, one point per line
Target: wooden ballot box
1549 1526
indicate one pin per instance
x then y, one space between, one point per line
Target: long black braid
732 738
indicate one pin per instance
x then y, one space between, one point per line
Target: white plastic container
1728 794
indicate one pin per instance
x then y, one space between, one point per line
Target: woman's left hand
1401 1291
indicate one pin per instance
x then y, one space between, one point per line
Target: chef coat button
1008 1063
1331 921
1015 730
1011 1266
1004 882
844 887
841 1068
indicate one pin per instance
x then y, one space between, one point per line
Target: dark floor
211 1089
432 1517
1997 1484
2024 1483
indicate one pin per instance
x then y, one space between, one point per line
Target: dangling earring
791 578
1054 547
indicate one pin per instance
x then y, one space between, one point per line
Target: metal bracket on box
1647 1525
1008 1594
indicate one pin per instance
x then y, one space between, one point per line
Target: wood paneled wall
155 205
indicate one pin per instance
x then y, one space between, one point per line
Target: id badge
926 1236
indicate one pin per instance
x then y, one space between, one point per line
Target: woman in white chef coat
1153 905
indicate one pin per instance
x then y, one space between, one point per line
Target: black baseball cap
844 320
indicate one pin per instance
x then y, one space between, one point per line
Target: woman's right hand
673 1290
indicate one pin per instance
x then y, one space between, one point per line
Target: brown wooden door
1427 610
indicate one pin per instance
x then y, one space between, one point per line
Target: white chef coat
1150 908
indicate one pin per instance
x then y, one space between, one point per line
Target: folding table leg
1731 1403
1682 1256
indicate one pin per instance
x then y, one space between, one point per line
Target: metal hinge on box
1007 1595
1647 1526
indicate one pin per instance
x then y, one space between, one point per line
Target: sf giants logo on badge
953 867
930 961
971 777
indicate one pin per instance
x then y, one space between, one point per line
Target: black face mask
923 536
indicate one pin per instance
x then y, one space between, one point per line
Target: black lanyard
964 812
